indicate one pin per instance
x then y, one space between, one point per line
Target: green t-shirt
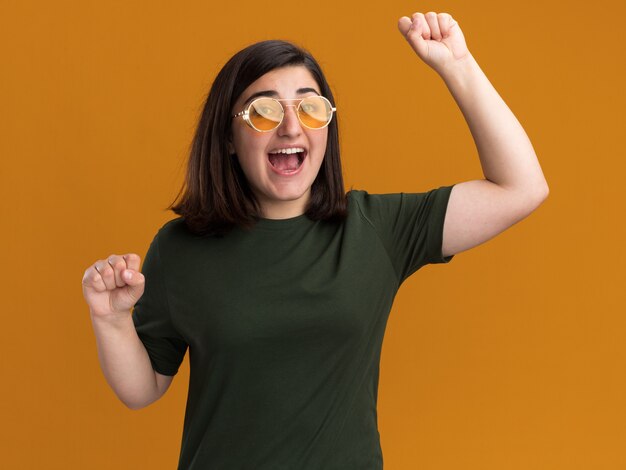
284 325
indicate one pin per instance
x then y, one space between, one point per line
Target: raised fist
435 37
114 285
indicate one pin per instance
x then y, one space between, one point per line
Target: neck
284 209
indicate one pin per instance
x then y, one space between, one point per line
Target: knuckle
114 261
90 278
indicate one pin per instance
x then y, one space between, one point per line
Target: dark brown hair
216 196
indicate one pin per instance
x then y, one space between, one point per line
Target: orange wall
510 357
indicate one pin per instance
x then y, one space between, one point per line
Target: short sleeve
410 225
151 316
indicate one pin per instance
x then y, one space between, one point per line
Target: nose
291 124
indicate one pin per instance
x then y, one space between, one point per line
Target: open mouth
287 161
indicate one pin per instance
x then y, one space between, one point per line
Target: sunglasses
266 114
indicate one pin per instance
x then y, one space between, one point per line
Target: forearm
506 154
124 361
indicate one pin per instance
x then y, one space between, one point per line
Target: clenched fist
113 286
436 38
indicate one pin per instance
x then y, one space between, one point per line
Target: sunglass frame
245 114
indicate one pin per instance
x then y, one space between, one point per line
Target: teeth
289 151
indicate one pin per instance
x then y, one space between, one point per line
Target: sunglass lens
265 113
315 112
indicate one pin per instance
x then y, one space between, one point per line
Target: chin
287 194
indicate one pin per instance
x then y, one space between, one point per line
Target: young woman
278 282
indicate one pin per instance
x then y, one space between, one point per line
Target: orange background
510 357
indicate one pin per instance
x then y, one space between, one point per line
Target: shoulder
174 242
373 209
391 208
172 228
361 197
174 232
177 237
371 204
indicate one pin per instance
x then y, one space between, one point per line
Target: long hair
216 196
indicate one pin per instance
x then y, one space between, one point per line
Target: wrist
460 71
115 321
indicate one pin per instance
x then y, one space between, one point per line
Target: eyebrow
274 94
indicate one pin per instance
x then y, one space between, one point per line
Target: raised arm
513 184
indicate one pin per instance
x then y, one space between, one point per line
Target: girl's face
281 183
